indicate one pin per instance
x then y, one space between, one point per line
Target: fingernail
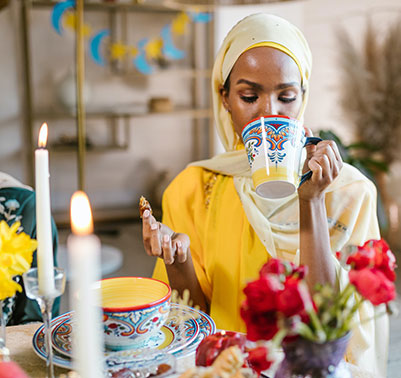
179 244
166 238
154 226
146 213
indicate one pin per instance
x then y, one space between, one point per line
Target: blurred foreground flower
16 250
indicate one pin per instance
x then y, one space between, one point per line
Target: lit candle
84 265
43 216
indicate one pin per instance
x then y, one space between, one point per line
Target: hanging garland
145 51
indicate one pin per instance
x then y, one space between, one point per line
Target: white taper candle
43 216
84 265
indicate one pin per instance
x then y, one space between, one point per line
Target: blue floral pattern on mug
277 135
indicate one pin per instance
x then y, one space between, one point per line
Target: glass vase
305 358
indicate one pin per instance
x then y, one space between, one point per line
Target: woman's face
263 81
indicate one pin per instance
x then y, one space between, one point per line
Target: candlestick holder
45 301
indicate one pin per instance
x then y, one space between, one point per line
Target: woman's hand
159 240
324 160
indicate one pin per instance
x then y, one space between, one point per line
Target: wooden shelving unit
197 112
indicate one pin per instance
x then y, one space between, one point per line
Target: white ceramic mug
274 146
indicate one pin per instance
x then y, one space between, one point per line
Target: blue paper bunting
95 44
58 12
140 61
169 50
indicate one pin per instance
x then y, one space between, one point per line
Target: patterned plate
206 327
172 337
205 324
38 343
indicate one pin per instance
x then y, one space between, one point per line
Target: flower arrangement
314 328
16 250
279 305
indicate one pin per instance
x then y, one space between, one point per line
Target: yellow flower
16 250
8 287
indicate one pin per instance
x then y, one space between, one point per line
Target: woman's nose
269 107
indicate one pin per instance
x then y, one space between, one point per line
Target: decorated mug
274 147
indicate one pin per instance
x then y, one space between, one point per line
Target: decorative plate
38 343
205 325
174 335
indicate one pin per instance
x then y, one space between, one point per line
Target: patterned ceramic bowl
133 309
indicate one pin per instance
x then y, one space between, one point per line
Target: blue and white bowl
134 308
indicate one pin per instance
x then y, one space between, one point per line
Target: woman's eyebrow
287 85
260 86
250 83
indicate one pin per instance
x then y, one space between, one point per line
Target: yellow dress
227 253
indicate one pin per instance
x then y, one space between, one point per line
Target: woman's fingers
181 242
310 148
155 244
159 240
325 163
151 234
168 251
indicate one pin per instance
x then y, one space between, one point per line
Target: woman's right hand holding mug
161 241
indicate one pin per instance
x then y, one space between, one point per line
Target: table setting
126 327
120 324
178 340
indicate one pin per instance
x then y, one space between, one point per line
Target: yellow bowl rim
139 307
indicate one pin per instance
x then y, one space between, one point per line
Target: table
19 342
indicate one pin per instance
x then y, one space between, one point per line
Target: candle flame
81 214
43 136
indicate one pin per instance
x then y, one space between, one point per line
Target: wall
157 144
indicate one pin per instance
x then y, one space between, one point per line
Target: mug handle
308 141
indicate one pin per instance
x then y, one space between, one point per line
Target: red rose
294 299
374 253
211 346
299 271
384 259
258 359
274 266
261 294
362 258
373 285
259 325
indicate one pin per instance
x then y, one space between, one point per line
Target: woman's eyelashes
249 99
287 99
252 99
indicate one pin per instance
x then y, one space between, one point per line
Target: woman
217 232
